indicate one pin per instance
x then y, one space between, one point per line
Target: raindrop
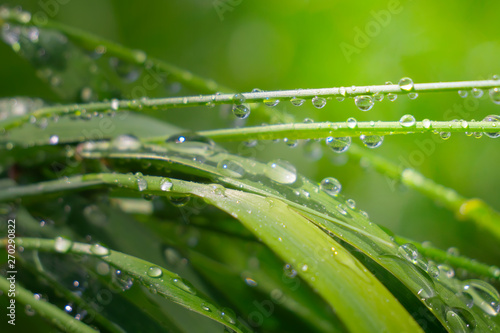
99 250
464 123
364 102
352 123
331 186
372 141
460 320
231 168
426 123
62 245
241 111
115 104
494 119
392 97
281 172
179 201
54 140
297 101
406 84
228 316
351 203
477 93
407 120
271 102
126 143
183 285
340 144
155 272
495 95
412 95
446 271
379 97
165 184
409 252
445 135
142 184
484 294
463 93
250 282
292 143
318 102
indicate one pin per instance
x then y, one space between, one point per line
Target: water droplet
179 201
407 120
228 315
379 97
351 203
460 320
484 294
292 143
426 123
281 172
142 184
29 310
412 95
352 123
463 93
271 102
445 272
342 91
445 135
409 252
297 101
477 93
183 285
165 184
205 307
125 143
466 298
251 282
392 97
494 119
364 102
239 99
464 123
241 111
318 102
406 84
495 95
99 250
115 104
231 168
54 140
155 272
62 245
433 270
289 271
331 186
372 141
340 144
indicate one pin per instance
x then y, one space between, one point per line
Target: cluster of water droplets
470 292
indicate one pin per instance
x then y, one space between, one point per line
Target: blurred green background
299 44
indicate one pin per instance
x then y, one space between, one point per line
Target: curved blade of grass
269 276
159 280
341 274
52 313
